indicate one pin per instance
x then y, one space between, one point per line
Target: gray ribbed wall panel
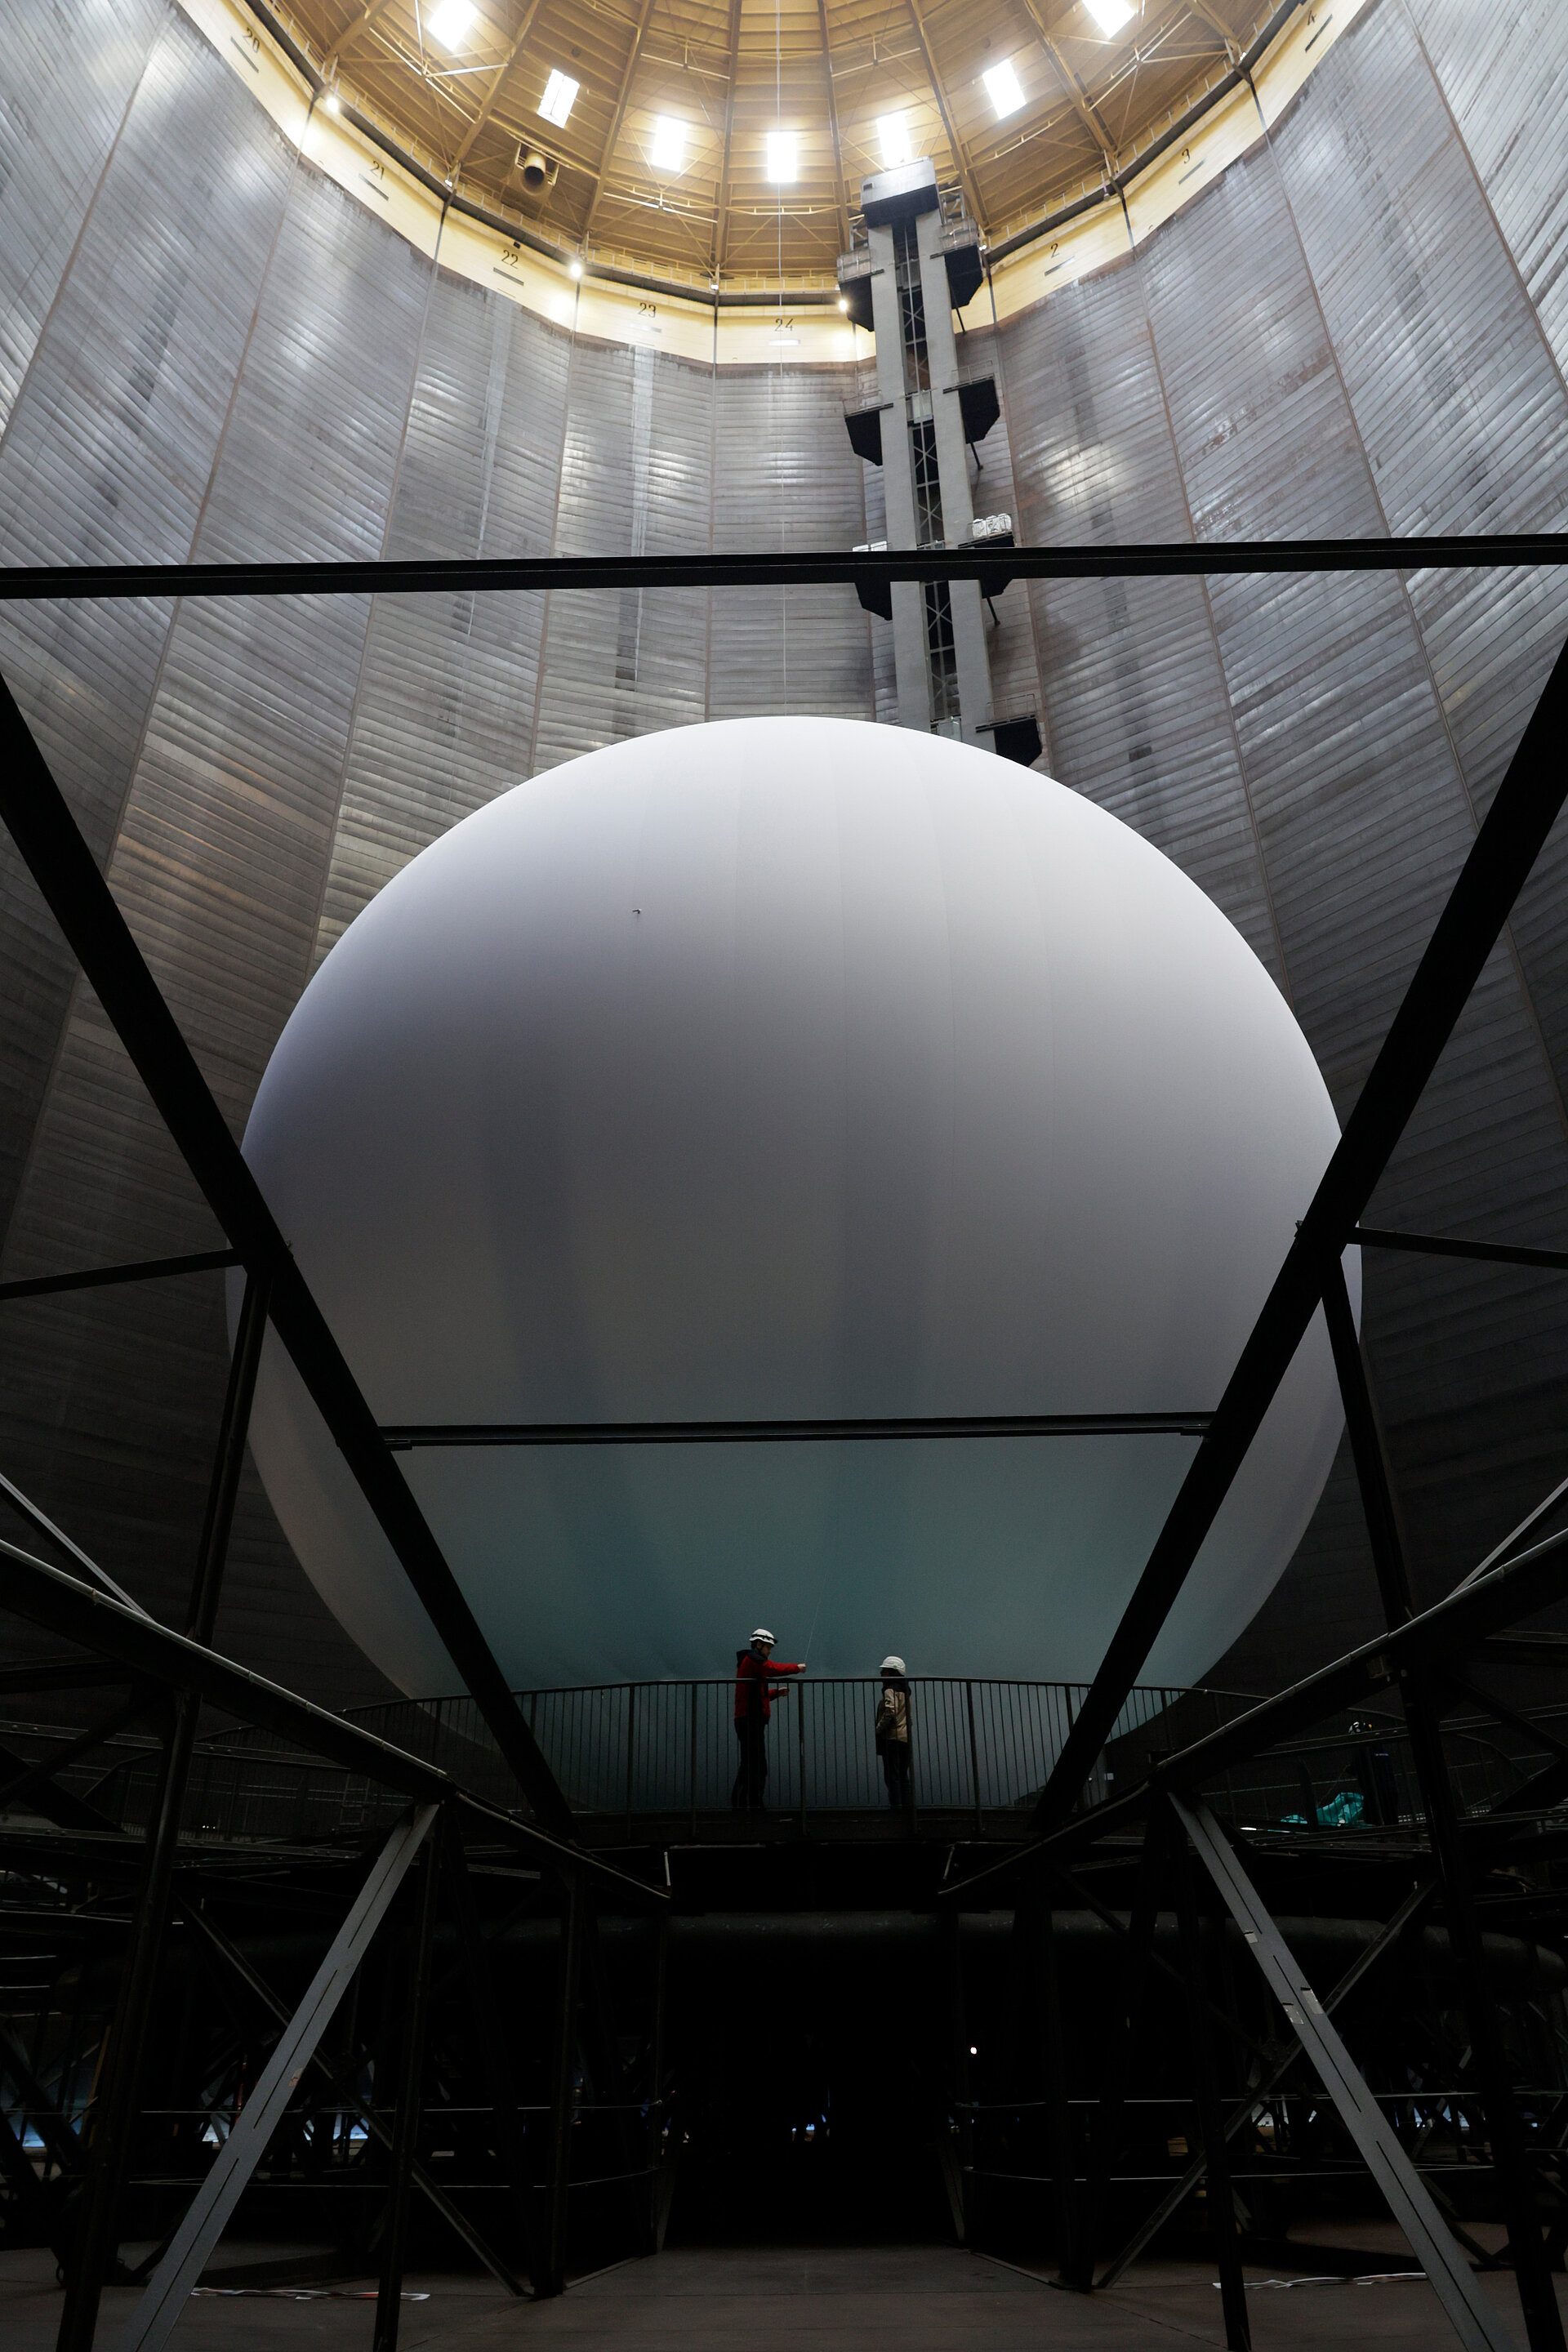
1362 809
1134 694
1504 74
1464 419
785 477
220 864
634 479
107 459
1460 406
69 75
446 691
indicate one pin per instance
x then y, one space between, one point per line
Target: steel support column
1053 2056
1137 1956
569 1978
96 2239
1211 2114
657 2207
493 2043
958 2169
406 2123
1423 1719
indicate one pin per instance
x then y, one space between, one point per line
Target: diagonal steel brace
1475 2321
153 2321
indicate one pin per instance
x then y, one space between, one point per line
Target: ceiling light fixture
573 268
843 302
1003 88
448 24
781 156
1110 14
560 96
331 101
668 143
893 130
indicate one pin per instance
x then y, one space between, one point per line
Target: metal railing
977 1746
981 1752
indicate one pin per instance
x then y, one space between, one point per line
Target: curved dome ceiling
662 160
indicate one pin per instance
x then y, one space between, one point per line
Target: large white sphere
791 1069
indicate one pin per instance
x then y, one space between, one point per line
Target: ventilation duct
539 171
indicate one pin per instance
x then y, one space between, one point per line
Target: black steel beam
1510 840
102 1278
17 1785
822 568
35 813
1443 1245
1453 1627
404 1438
57 1805
62 1604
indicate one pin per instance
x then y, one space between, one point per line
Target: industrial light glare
781 156
559 96
1110 14
1003 88
668 143
893 131
573 268
448 25
331 101
843 303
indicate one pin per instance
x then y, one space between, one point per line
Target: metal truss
186 2256
1420 1653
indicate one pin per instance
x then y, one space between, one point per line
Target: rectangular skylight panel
1003 88
447 23
668 143
893 130
781 156
1110 14
560 96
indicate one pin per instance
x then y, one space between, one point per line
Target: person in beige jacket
892 1733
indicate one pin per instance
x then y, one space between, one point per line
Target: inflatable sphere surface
795 1069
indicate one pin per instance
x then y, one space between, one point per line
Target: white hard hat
892 1666
762 1634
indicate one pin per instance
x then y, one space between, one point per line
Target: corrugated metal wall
1359 329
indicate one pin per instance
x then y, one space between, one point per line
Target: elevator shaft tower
916 265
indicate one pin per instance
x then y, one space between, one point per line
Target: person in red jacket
755 1692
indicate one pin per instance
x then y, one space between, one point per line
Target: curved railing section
978 1746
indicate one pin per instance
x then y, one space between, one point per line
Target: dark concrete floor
834 2300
